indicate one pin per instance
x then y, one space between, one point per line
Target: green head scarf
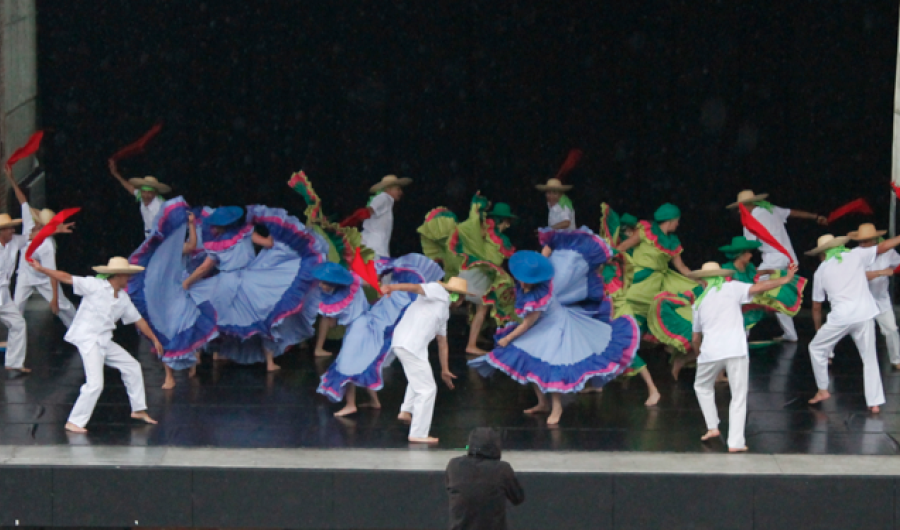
628 220
666 212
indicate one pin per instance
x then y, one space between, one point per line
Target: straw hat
118 265
42 217
710 269
866 231
747 197
457 285
553 184
150 182
8 222
825 242
388 181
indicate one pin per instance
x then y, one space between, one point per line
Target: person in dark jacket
479 484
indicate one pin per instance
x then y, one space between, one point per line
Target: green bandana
566 202
715 281
765 205
454 297
836 253
103 276
372 198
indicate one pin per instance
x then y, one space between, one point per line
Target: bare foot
653 399
322 353
737 449
428 440
710 434
553 418
677 364
71 427
20 369
875 410
346 411
144 417
169 383
820 396
540 408
272 367
405 417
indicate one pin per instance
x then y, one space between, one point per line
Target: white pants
116 357
738 370
18 333
863 334
887 323
420 392
24 292
778 261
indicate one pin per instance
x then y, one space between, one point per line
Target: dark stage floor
244 407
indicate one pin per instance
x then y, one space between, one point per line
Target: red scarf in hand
30 148
366 271
49 230
137 147
756 228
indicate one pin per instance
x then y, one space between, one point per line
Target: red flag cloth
30 148
857 206
756 228
572 160
366 271
137 147
358 217
897 270
896 189
49 230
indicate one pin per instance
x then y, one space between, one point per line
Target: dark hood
484 442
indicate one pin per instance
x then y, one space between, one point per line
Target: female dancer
266 297
566 337
366 348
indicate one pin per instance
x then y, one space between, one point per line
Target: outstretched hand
65 228
792 270
822 220
448 378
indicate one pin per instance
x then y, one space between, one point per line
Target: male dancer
425 319
147 191
104 302
774 218
841 279
378 217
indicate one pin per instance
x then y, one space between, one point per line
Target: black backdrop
682 101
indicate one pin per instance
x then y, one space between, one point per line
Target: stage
232 406
237 447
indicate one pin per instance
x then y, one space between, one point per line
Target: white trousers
116 357
887 324
738 370
17 337
420 392
863 334
778 261
24 292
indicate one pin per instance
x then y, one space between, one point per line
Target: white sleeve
781 213
818 290
83 286
744 291
21 241
441 330
381 204
749 235
695 326
867 255
50 259
893 258
131 314
432 290
27 219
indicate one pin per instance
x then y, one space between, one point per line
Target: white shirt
424 319
844 284
8 263
44 254
98 312
879 287
774 223
377 229
559 214
150 212
720 319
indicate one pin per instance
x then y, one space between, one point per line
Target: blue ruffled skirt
366 348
